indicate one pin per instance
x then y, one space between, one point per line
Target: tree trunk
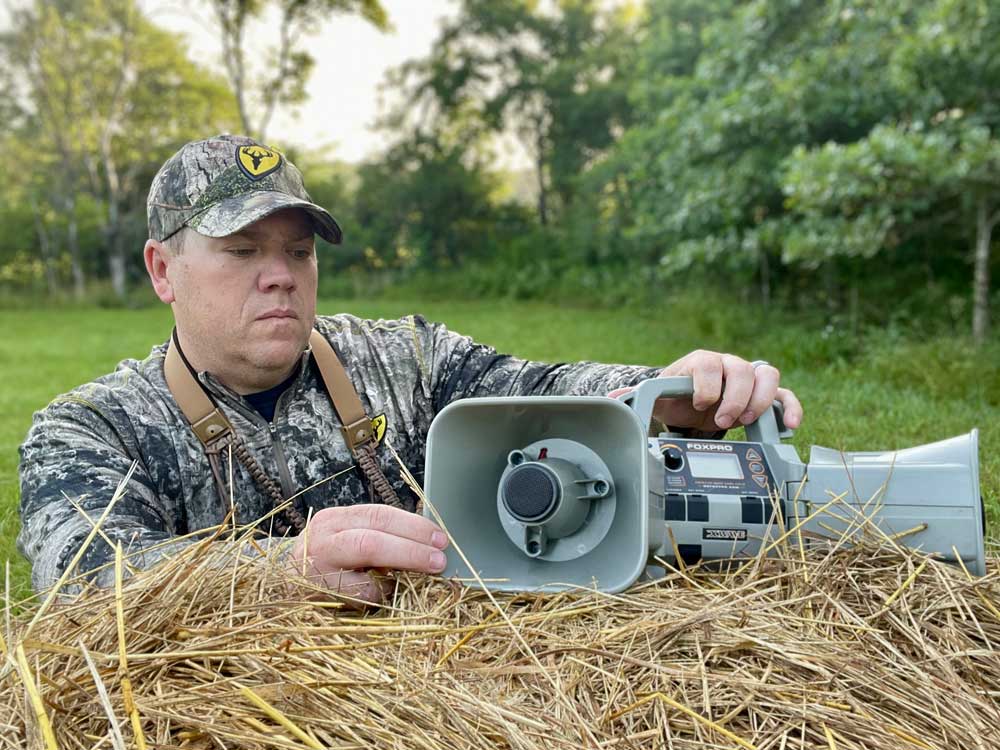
79 279
113 230
765 279
543 209
831 287
117 265
288 18
72 242
241 104
981 273
45 246
543 212
233 25
854 307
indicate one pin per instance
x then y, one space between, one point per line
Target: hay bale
872 647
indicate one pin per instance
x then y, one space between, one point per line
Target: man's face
245 304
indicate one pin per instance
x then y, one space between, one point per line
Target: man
231 251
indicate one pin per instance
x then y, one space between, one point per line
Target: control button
698 508
756 468
673 459
689 553
760 480
751 509
753 455
674 507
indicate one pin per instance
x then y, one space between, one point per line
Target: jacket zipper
279 450
279 455
284 475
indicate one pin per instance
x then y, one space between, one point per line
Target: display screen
715 465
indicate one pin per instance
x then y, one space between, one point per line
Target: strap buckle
212 428
357 433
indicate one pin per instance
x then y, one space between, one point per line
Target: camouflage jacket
83 443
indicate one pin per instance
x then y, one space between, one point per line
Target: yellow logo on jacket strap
257 161
378 428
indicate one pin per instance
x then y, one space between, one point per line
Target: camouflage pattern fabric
220 185
83 443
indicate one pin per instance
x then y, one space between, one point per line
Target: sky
351 60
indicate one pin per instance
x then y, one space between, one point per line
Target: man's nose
276 273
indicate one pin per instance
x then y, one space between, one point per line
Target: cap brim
233 214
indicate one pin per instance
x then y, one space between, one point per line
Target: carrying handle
643 397
769 427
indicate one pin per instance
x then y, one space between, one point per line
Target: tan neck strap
211 425
206 419
357 427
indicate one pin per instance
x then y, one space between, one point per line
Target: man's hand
341 543
728 391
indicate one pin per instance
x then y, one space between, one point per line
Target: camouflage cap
220 185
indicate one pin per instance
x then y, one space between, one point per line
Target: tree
49 102
423 203
555 79
35 225
732 88
107 96
26 216
933 170
282 70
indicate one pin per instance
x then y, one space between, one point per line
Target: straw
848 645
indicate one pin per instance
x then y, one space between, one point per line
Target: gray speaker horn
545 493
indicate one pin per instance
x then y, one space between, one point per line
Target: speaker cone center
531 492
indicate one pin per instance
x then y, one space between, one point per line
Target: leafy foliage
929 172
791 148
101 97
558 80
835 156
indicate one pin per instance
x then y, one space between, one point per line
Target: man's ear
158 257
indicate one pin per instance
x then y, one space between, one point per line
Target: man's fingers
384 518
765 390
370 548
340 542
707 373
739 377
793 408
727 392
355 584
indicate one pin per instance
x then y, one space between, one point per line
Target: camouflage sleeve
459 368
72 463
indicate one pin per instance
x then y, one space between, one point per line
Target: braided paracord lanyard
365 454
216 433
366 460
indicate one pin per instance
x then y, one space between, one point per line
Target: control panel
714 467
719 497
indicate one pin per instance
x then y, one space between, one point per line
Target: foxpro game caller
555 492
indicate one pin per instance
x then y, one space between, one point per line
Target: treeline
840 155
836 155
94 97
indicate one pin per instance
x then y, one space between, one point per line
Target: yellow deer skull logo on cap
257 161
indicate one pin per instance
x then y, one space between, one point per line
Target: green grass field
876 392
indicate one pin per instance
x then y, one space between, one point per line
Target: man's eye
302 252
241 252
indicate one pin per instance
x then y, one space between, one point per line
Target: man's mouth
278 313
